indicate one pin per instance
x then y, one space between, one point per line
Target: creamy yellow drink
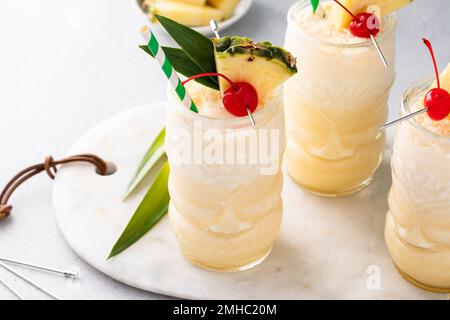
336 104
224 140
418 222
225 161
226 211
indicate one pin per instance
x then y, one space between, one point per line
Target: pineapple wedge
187 14
226 6
341 19
194 2
261 64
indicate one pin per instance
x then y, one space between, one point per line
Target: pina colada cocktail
418 222
335 107
225 180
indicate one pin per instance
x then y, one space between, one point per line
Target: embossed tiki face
225 184
336 104
417 229
224 172
419 200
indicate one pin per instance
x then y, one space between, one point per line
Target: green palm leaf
152 208
197 47
184 65
152 157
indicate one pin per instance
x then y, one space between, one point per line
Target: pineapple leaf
150 211
184 65
314 4
151 158
197 47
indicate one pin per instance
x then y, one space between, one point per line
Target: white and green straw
167 68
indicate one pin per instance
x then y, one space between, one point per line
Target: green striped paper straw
167 68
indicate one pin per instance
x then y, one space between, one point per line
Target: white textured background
66 65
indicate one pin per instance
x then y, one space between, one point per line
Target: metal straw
215 28
28 280
67 274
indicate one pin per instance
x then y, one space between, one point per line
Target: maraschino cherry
236 99
437 100
364 24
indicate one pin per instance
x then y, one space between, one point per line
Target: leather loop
50 167
4 211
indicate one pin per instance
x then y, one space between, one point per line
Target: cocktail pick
359 27
437 100
67 274
380 53
18 295
409 116
17 274
215 29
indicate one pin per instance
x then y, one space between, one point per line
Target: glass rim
417 91
365 44
270 107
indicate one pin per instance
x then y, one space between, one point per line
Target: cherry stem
430 47
343 7
211 74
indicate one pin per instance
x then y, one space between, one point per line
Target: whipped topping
207 101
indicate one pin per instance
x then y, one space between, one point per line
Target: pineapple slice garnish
262 65
444 78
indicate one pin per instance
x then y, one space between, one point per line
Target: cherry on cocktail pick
436 102
365 25
240 99
359 26
215 29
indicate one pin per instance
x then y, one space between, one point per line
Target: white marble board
327 248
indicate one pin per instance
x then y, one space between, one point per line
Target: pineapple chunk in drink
445 81
341 19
